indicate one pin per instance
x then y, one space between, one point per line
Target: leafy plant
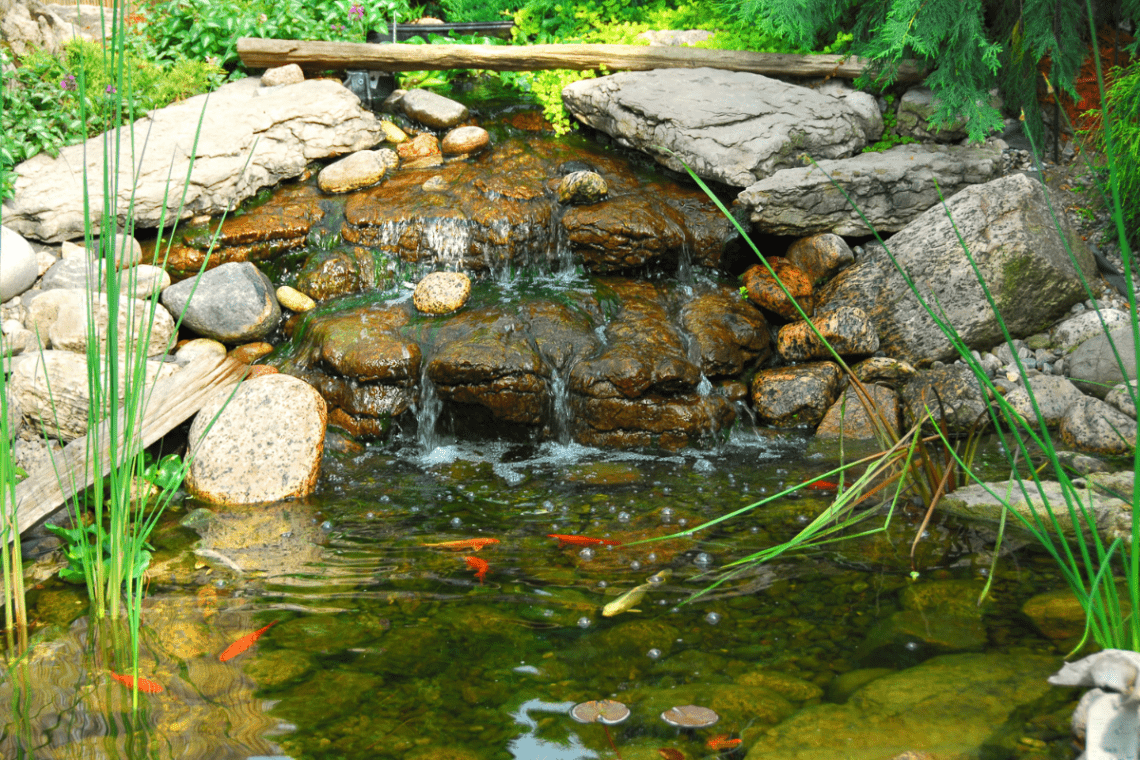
463 11
1123 105
82 542
890 121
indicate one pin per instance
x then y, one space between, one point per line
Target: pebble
294 300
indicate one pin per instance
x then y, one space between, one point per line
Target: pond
388 644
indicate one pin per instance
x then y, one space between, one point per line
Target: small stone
288 74
442 292
820 256
465 140
361 169
421 146
433 110
436 184
192 349
251 352
582 188
392 133
260 370
294 300
764 291
847 330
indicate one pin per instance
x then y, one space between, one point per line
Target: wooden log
257 53
171 402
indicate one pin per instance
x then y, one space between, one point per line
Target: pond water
388 647
386 642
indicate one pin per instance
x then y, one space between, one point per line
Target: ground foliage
969 46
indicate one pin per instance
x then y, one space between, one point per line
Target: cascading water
560 408
428 409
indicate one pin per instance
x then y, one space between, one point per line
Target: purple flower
357 11
111 89
68 82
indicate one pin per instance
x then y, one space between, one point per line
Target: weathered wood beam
257 53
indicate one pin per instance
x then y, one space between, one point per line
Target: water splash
560 408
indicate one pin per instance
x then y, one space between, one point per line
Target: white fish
626 600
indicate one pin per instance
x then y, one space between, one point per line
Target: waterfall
560 408
428 407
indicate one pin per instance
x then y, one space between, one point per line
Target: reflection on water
387 647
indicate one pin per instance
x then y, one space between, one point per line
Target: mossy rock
327 633
953 597
277 668
784 684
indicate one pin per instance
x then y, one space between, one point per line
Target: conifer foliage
968 46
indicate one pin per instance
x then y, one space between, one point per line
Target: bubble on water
651 557
653 654
584 622
682 522
912 646
385 499
635 565
754 529
802 519
704 559
712 618
666 514
623 517
602 584
456 522
613 508
371 515
326 525
548 504
586 553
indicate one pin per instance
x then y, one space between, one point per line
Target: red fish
564 540
146 685
821 485
474 544
670 754
722 741
244 643
480 567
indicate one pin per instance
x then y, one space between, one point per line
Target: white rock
144 280
1072 332
191 350
288 74
140 320
265 444
18 269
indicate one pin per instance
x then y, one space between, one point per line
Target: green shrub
1123 101
463 11
40 100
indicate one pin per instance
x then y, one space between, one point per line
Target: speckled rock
796 396
233 303
764 291
582 188
442 292
361 169
847 330
290 73
421 151
1093 367
431 109
1076 330
1095 426
820 256
849 416
1122 399
464 140
265 443
729 333
884 370
294 300
1054 396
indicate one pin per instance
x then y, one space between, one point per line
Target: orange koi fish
480 567
564 540
146 685
821 485
670 754
722 741
244 643
474 544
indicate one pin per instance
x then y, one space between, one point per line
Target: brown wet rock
884 370
463 140
732 390
529 121
582 188
795 396
766 293
711 234
562 332
258 234
730 333
424 145
851 418
644 353
671 422
820 256
625 232
350 269
441 292
483 357
847 330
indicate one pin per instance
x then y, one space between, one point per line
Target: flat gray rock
729 126
291 125
891 188
1093 365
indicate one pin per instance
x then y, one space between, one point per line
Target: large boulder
29 25
730 126
891 188
292 125
1008 228
265 443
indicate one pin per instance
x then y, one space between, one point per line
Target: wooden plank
172 401
257 53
